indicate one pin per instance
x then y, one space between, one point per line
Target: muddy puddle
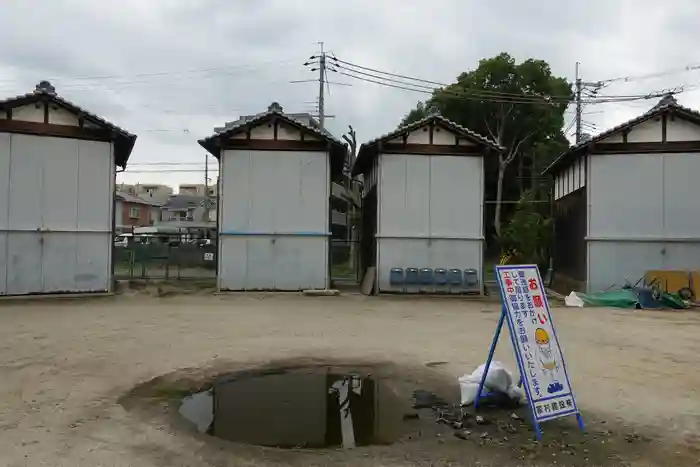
316 409
298 410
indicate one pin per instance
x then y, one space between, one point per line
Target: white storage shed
57 176
274 202
423 207
626 202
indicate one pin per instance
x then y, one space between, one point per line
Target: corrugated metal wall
55 215
430 213
643 214
273 220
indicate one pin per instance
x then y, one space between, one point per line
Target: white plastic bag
498 379
573 300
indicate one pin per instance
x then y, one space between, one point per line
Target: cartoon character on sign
548 362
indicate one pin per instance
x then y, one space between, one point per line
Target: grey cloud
257 47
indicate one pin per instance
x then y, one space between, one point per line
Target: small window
134 212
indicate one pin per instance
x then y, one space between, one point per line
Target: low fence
175 260
165 260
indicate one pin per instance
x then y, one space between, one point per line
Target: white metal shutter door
93 272
4 205
24 271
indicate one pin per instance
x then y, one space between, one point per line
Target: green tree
520 105
526 235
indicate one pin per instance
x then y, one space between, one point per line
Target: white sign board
535 342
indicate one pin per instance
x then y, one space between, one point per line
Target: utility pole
579 85
321 85
206 187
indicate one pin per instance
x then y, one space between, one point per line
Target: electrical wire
675 71
353 70
164 163
158 73
503 100
167 171
451 94
354 67
485 94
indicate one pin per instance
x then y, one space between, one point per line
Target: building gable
269 131
44 113
276 131
435 134
431 135
667 127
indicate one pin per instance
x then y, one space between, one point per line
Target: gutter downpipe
550 269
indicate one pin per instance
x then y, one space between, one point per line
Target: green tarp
623 298
627 298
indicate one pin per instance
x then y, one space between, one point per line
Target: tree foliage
519 105
528 232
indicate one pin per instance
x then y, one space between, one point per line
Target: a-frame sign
524 307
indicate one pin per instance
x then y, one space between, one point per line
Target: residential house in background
156 192
197 189
187 210
133 211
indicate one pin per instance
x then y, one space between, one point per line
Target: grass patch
343 270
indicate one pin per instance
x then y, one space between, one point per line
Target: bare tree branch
514 151
488 128
510 109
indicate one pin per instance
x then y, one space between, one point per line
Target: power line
675 71
164 163
167 171
420 80
451 94
353 71
127 85
157 73
504 99
354 68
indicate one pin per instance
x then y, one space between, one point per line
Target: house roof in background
123 140
177 202
129 198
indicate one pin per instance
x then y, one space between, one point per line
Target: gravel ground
65 365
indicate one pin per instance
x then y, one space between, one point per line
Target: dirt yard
67 365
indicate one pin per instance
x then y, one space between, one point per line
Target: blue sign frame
507 318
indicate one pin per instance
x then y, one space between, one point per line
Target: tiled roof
447 122
41 93
276 110
302 117
129 198
177 202
666 104
471 134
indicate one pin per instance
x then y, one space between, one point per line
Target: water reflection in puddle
296 409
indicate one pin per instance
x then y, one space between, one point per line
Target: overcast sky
170 70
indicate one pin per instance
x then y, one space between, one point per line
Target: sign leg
499 326
579 419
538 432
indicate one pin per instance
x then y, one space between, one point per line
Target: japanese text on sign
535 341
